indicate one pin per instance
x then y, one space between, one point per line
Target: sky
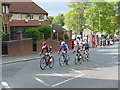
54 7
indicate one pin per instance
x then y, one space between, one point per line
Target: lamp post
99 28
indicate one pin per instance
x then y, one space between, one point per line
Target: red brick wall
18 47
55 44
29 23
6 21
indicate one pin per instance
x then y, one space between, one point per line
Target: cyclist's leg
66 51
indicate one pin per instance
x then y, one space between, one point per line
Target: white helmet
62 43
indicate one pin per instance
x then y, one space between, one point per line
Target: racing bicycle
46 61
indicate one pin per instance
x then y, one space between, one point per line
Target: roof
25 7
56 27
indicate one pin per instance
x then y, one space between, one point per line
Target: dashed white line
41 81
5 84
66 80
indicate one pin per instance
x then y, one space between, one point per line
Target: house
20 16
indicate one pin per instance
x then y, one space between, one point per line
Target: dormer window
19 16
3 9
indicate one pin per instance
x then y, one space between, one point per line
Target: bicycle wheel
84 57
51 62
42 63
61 61
67 62
80 61
76 59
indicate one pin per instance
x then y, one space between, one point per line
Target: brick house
20 16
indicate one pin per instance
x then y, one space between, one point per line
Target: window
41 17
31 17
19 16
3 9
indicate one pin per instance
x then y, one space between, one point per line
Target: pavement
101 71
15 59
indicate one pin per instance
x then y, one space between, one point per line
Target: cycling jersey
86 46
65 48
47 47
78 47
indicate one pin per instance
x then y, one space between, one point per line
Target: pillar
19 35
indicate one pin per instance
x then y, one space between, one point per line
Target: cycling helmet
44 42
77 42
62 43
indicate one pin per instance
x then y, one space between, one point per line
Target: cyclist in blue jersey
64 48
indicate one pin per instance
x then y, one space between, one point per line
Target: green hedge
33 33
46 29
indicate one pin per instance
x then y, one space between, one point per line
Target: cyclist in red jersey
47 48
79 48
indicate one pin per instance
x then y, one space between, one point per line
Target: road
100 72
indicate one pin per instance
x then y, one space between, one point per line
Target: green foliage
33 33
4 37
66 35
108 16
46 29
74 19
51 18
59 20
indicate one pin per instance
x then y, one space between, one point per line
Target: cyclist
64 48
86 46
79 48
47 48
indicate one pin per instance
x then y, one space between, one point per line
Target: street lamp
99 28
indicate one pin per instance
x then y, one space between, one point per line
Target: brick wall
17 47
54 43
29 23
6 21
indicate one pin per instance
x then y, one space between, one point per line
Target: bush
4 37
33 33
66 36
46 29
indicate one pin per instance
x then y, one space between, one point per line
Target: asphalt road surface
100 72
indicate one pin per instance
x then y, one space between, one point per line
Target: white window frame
30 16
19 16
42 18
3 9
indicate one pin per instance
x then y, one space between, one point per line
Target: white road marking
66 80
55 74
41 81
76 71
115 57
5 84
59 74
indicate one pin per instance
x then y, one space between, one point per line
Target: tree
59 20
46 29
51 18
108 16
74 19
33 33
